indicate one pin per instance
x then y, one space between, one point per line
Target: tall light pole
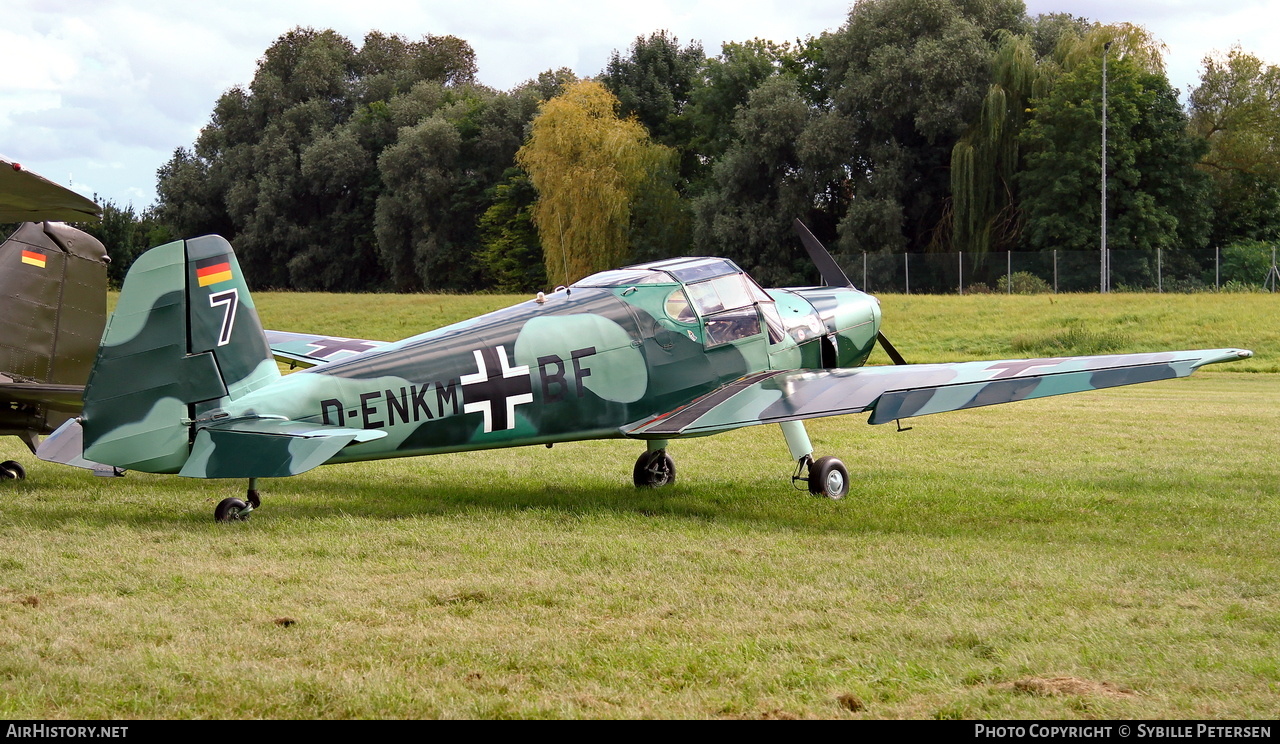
1104 278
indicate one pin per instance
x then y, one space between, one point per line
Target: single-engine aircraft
53 307
185 380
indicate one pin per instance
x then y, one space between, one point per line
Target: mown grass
1103 555
955 328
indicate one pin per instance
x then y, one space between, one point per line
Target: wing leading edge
904 391
26 196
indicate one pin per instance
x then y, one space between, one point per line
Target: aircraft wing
57 397
903 391
308 350
29 197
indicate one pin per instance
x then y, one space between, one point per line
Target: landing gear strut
235 510
654 468
825 476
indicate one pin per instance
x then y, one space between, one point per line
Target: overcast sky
97 94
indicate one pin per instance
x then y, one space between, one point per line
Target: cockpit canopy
669 271
713 284
714 290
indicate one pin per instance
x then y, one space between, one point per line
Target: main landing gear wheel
229 510
654 470
12 470
828 477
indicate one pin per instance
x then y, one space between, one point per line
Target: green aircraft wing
904 391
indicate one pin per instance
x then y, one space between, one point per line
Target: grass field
1103 555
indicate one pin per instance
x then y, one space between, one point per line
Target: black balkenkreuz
326 347
496 389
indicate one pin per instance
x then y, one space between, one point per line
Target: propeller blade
832 275
888 349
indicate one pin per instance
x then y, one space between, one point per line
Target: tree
1236 110
548 84
760 187
909 76
654 84
288 167
512 255
727 81
986 210
125 234
1156 199
453 145
590 169
985 160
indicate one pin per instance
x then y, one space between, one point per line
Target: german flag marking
218 270
33 258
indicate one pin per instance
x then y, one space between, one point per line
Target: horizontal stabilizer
267 448
309 350
64 447
904 391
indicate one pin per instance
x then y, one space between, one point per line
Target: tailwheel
231 510
12 470
828 477
654 469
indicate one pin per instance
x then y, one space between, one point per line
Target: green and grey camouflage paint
185 381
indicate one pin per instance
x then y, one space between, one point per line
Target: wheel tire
828 477
654 470
14 468
228 510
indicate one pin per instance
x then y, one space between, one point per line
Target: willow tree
1155 196
907 77
985 159
592 170
986 214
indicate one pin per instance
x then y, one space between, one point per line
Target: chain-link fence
1250 268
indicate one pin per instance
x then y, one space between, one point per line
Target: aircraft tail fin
184 341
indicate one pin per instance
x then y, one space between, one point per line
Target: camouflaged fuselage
185 381
584 364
